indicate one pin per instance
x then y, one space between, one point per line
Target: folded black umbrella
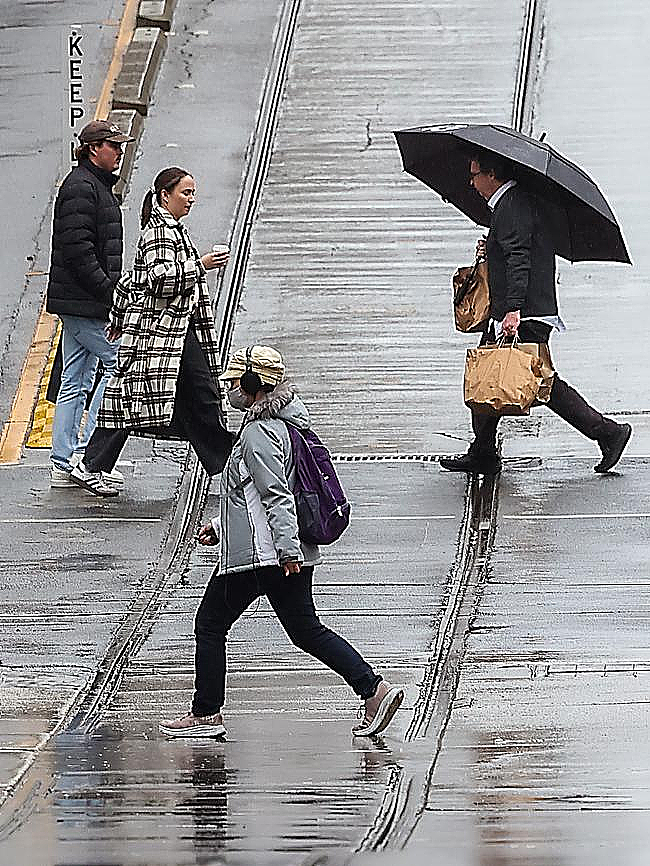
582 223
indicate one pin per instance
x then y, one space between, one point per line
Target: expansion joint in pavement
258 159
406 794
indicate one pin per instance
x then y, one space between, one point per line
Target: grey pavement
32 95
541 754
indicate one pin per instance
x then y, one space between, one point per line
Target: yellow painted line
40 434
124 34
30 384
15 428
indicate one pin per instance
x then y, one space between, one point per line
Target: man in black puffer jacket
86 264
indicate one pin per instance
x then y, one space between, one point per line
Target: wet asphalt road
544 754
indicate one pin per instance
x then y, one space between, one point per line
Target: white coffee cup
220 249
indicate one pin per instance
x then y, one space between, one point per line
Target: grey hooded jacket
257 523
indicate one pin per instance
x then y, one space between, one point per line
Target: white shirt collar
496 196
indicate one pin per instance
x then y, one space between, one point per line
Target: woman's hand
112 333
215 260
291 568
207 535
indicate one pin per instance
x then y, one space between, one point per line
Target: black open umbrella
583 225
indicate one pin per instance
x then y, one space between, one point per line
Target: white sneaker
91 481
190 726
60 477
379 710
114 479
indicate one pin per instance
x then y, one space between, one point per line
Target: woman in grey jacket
258 530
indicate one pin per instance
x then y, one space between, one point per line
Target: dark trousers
197 417
564 401
227 597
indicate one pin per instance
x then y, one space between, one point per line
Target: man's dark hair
491 163
82 151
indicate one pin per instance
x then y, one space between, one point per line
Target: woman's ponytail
147 207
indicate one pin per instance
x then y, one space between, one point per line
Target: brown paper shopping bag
541 351
471 297
501 379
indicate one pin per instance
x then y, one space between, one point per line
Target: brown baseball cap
102 130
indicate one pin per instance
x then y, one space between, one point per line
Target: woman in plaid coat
168 363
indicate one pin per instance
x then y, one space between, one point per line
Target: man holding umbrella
530 219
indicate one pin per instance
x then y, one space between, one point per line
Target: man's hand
112 333
481 248
511 323
207 535
291 568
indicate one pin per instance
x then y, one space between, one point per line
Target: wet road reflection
120 798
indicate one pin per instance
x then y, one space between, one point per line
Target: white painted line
81 520
410 517
576 516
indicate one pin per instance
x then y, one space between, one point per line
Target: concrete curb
131 123
135 82
156 13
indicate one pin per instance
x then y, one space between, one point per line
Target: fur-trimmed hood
258 507
282 402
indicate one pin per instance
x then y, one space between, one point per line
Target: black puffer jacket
86 244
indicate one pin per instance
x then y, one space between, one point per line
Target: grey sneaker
91 481
60 477
114 479
379 710
190 726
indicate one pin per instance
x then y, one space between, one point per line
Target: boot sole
201 731
474 470
385 713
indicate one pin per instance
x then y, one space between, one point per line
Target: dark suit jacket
521 258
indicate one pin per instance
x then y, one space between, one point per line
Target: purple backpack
322 509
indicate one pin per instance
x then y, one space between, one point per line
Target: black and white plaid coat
152 306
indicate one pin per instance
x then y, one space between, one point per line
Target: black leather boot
483 464
612 445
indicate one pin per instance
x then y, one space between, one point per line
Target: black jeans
197 418
564 401
227 597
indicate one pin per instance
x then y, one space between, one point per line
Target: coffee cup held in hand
220 249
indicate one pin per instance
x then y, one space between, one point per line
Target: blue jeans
84 344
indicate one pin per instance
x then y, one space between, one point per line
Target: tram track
31 786
407 791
